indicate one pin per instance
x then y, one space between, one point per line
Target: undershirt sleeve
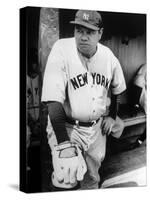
113 107
58 119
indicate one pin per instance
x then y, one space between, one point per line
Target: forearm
58 119
114 106
136 93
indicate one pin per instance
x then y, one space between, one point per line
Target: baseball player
140 87
79 73
139 98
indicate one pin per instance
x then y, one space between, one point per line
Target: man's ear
101 33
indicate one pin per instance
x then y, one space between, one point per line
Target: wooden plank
135 120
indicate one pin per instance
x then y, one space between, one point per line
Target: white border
9 88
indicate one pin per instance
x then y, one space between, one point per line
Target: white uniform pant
94 145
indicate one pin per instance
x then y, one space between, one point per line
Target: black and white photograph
83 87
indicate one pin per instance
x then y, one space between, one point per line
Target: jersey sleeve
140 78
54 81
118 83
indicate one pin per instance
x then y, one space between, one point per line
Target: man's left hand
107 124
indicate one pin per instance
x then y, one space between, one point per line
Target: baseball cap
88 18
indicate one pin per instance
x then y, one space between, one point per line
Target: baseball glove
70 169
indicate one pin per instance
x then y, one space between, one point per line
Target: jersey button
93 98
93 111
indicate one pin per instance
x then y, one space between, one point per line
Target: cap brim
87 25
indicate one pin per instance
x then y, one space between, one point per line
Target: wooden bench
129 119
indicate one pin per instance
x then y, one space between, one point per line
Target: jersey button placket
91 90
93 106
94 102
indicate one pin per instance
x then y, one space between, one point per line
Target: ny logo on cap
85 16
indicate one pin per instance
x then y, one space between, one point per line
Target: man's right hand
69 165
107 124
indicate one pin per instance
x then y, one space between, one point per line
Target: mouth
83 44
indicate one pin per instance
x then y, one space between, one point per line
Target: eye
91 32
78 30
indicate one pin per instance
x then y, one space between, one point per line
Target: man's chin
84 51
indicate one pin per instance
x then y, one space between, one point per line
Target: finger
104 130
66 175
80 173
82 167
103 123
55 178
103 127
107 129
110 129
73 175
59 174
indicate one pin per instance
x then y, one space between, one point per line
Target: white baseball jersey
81 84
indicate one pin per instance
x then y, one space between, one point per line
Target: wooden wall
48 33
130 55
47 29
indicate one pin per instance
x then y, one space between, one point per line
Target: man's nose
84 36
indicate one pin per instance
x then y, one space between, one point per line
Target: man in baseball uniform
139 98
140 87
79 73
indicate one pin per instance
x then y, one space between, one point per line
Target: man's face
87 39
